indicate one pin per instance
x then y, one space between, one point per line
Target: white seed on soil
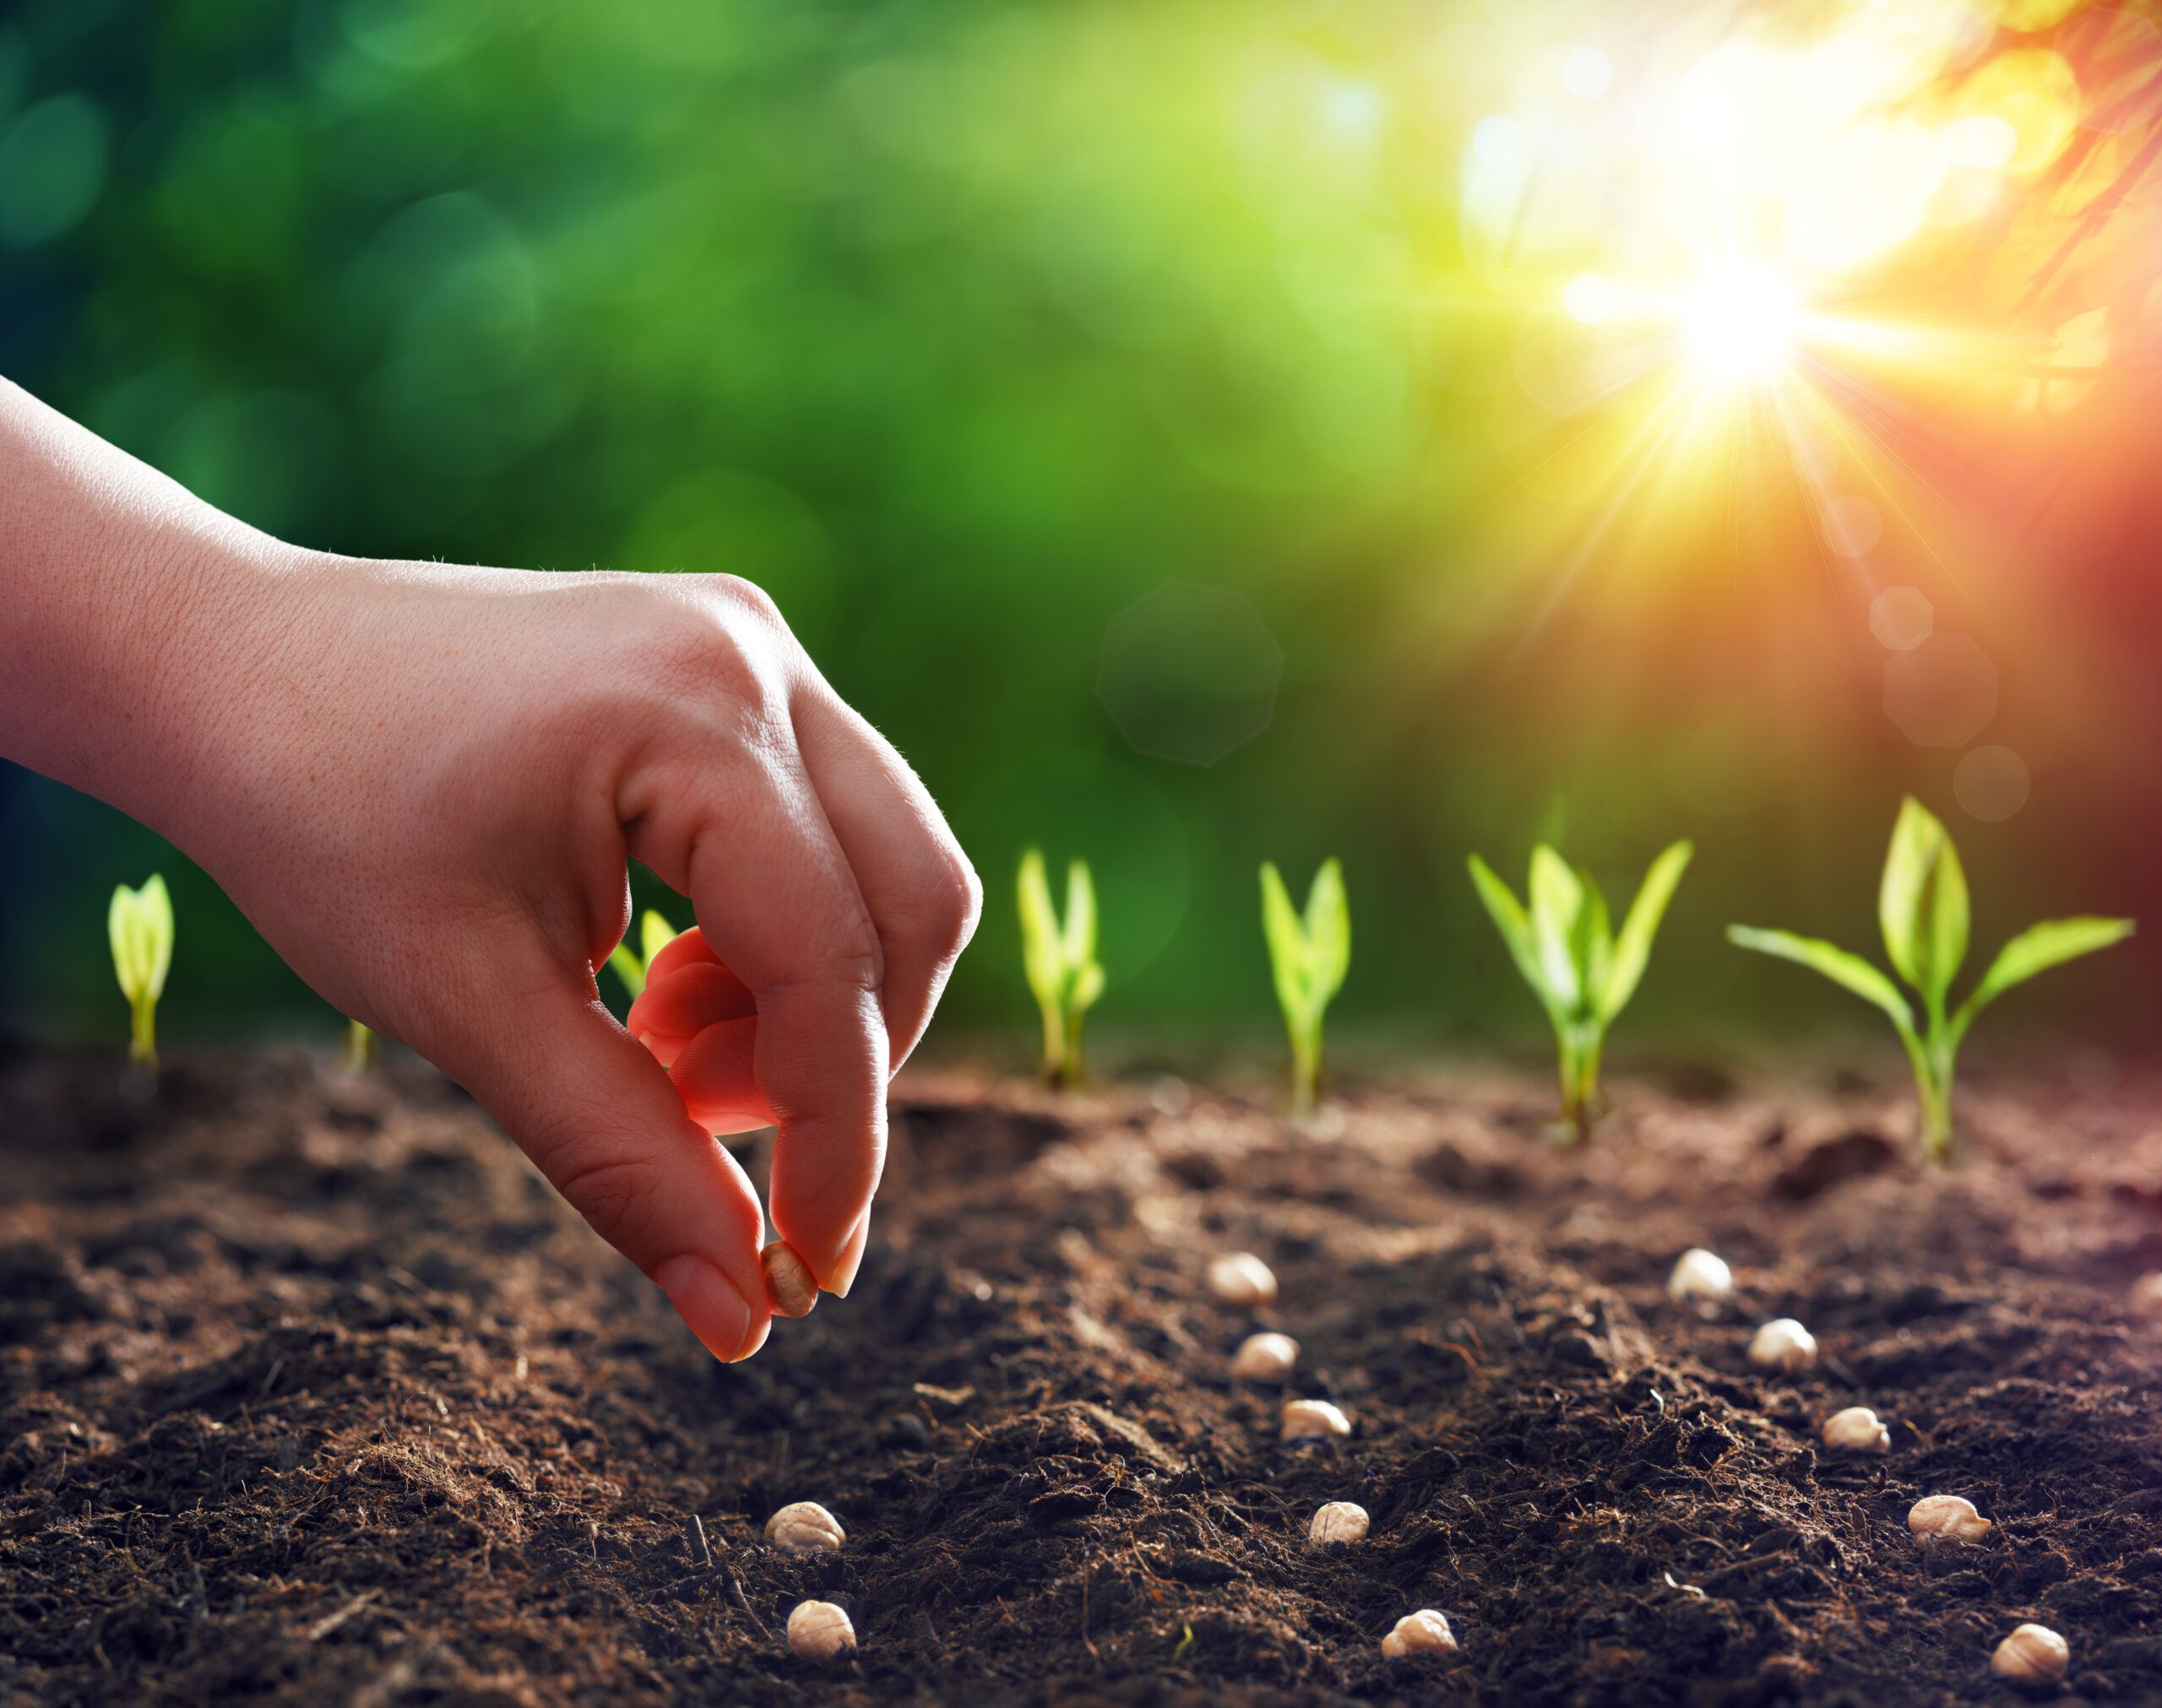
1305 1419
790 1287
1784 1345
1338 1523
2032 1655
1857 1429
2145 1297
1702 1275
1240 1278
819 1630
1947 1518
1423 1633
804 1526
1265 1358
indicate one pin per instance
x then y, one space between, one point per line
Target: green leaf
1042 952
1633 949
1591 945
1557 898
655 935
1328 932
2036 950
1510 919
1079 937
1288 954
1087 986
1921 903
627 968
1836 964
138 924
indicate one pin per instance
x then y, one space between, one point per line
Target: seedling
1582 975
1310 957
139 923
1922 904
1060 960
655 935
360 1049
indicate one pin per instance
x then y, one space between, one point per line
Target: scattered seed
1784 1345
790 1287
2145 1297
1700 1276
1857 1429
1265 1358
2032 1655
1947 1518
1304 1419
1337 1524
1423 1633
1240 1278
820 1631
804 1526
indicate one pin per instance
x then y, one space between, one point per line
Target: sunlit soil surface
310 1392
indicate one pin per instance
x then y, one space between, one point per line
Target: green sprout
655 935
360 1049
1060 960
1582 975
1309 958
1922 904
139 923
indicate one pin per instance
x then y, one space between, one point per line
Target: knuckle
617 1195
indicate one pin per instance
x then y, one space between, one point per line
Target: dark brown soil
310 1392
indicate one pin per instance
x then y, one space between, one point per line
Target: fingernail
842 1276
707 1300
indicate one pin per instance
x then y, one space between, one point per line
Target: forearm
127 610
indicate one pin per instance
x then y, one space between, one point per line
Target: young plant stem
143 1046
360 1049
1306 1074
1067 1070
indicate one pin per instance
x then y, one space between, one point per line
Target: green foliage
655 935
139 925
1582 972
1060 960
1309 958
1921 905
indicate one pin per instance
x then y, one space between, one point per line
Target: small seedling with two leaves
1309 956
1922 904
655 935
1582 972
1060 960
139 923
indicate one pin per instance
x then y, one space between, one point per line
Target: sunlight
1741 322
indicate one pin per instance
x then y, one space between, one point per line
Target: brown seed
1947 1518
790 1287
1265 1358
1241 1279
2032 1655
2145 1295
1423 1633
1306 1419
1784 1345
804 1526
819 1630
1701 1276
1339 1522
1858 1430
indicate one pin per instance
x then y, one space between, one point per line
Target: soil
310 1392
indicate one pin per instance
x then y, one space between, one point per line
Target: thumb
599 1118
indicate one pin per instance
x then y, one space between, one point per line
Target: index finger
778 902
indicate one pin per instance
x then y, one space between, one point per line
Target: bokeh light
1942 692
1588 298
1587 73
1853 525
1902 617
1991 782
1498 139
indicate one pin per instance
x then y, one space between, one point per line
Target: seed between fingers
790 1287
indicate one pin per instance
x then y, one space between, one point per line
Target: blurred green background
963 327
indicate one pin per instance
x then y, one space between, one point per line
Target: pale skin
422 783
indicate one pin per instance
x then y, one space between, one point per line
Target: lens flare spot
1589 298
1498 139
1981 140
1853 526
1902 617
1991 782
1587 72
1742 323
